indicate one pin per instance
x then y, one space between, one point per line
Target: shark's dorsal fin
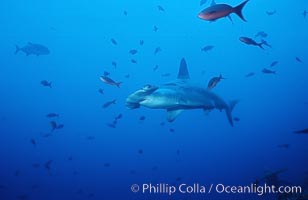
183 71
172 114
213 3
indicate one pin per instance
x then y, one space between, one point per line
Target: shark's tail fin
238 10
17 49
229 110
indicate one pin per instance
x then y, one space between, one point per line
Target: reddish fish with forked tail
216 11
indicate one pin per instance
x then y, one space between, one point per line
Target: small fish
207 48
133 51
33 49
47 165
109 103
202 2
140 151
107 164
90 138
46 83
52 115
160 8
155 68
274 63
91 195
155 28
250 41
250 74
266 43
305 13
236 119
33 142
142 118
109 81
261 34
158 49
113 41
3 187
162 123
23 197
119 116
17 172
141 42
114 64
298 59
125 12
286 146
127 76
133 61
70 158
267 71
171 130
217 11
303 131
178 179
53 125
271 12
101 91
60 126
214 81
45 135
166 75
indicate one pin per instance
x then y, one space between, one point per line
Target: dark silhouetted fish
250 41
114 64
207 48
171 130
52 115
155 68
133 61
141 42
155 28
91 195
33 142
202 2
109 81
109 103
101 91
33 49
267 71
90 138
70 158
274 63
107 165
125 12
261 34
142 118
305 13
60 126
140 151
271 12
23 197
46 83
3 187
162 123
157 50
53 125
119 116
106 73
214 81
113 41
160 8
216 11
250 74
286 146
127 76
47 165
298 59
303 131
111 125
133 51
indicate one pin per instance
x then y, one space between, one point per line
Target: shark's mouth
133 100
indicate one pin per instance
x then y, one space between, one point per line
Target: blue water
90 160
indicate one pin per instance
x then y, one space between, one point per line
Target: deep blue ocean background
89 159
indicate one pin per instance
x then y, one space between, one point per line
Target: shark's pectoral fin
173 114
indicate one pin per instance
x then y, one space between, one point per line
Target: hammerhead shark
180 95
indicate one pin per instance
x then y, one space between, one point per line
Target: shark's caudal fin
238 10
229 111
183 71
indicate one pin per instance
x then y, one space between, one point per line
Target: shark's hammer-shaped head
133 100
